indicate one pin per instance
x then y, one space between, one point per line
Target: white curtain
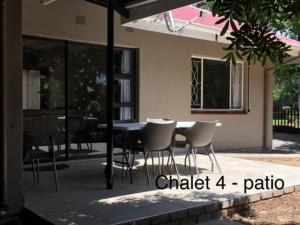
126 62
125 112
31 89
236 86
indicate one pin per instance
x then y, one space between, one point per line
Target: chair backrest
158 136
39 129
75 124
201 133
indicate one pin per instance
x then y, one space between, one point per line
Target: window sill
239 112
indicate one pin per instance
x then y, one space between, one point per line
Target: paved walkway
289 143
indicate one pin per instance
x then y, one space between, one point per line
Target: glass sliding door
43 93
87 98
64 89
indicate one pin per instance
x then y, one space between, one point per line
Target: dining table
127 128
136 126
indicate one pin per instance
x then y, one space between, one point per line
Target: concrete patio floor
83 199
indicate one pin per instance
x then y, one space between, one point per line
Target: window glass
87 80
43 74
216 76
236 86
43 84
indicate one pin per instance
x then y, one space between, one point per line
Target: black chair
40 132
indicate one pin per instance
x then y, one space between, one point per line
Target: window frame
226 110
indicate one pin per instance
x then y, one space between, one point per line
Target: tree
254 25
286 85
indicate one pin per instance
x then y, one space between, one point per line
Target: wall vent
81 20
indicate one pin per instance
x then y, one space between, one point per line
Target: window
216 85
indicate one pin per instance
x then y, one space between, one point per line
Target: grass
285 122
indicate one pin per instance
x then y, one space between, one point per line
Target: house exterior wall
164 68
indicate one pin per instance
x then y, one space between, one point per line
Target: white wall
165 67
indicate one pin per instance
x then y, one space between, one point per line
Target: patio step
211 213
220 222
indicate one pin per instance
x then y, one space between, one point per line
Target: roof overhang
137 9
196 30
144 8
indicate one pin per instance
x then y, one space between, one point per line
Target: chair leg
213 153
169 159
127 158
173 160
159 164
33 170
55 174
190 167
185 159
210 158
162 161
195 162
147 170
152 158
123 161
51 147
188 156
38 170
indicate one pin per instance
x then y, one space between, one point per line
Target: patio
83 199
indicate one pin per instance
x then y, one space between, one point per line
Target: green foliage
254 24
286 83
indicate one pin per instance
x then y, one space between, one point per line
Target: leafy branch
253 27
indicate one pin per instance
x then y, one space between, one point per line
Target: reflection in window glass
87 80
216 76
43 74
236 86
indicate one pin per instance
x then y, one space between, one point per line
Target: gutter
3 153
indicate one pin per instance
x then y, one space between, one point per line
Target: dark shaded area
26 217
